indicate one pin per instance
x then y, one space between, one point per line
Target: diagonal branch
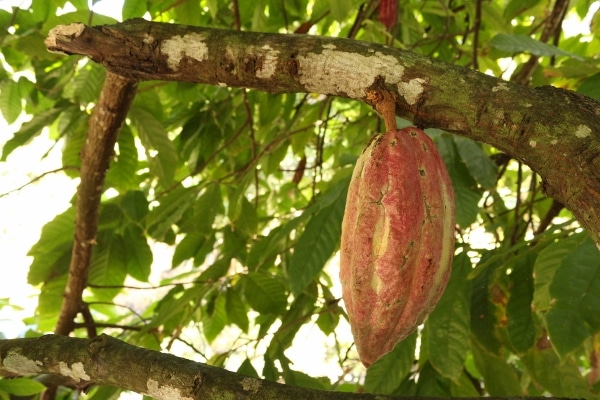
556 132
108 116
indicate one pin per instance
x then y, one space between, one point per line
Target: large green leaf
55 244
591 87
108 266
388 373
318 242
501 378
517 43
10 100
575 289
138 253
480 166
21 386
265 293
560 378
466 194
168 213
546 265
521 327
447 329
29 130
154 136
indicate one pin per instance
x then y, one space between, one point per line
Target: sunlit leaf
29 130
517 43
21 386
265 293
10 100
317 243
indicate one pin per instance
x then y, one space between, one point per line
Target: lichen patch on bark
411 90
19 364
164 392
340 72
269 63
189 45
583 131
77 371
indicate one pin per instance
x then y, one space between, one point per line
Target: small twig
37 178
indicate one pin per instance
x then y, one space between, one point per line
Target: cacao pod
388 12
397 239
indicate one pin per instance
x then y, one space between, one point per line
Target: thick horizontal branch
555 132
108 361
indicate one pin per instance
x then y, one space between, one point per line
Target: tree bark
554 131
108 361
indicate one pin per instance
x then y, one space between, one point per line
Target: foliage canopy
248 190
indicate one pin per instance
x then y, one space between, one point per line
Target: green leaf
161 219
591 87
466 194
29 130
561 378
122 174
139 255
521 327
247 369
516 43
500 378
51 253
133 9
339 9
388 373
205 210
575 289
192 246
237 312
264 293
317 243
134 206
447 329
214 322
10 100
483 316
21 386
431 384
480 166
108 265
154 136
546 265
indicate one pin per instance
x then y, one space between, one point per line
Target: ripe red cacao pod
397 239
388 12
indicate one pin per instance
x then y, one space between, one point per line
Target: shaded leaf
388 373
521 327
575 289
447 329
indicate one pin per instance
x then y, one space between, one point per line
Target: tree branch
108 116
554 131
108 361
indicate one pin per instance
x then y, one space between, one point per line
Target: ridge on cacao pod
397 239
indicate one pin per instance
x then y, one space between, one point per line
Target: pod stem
385 104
